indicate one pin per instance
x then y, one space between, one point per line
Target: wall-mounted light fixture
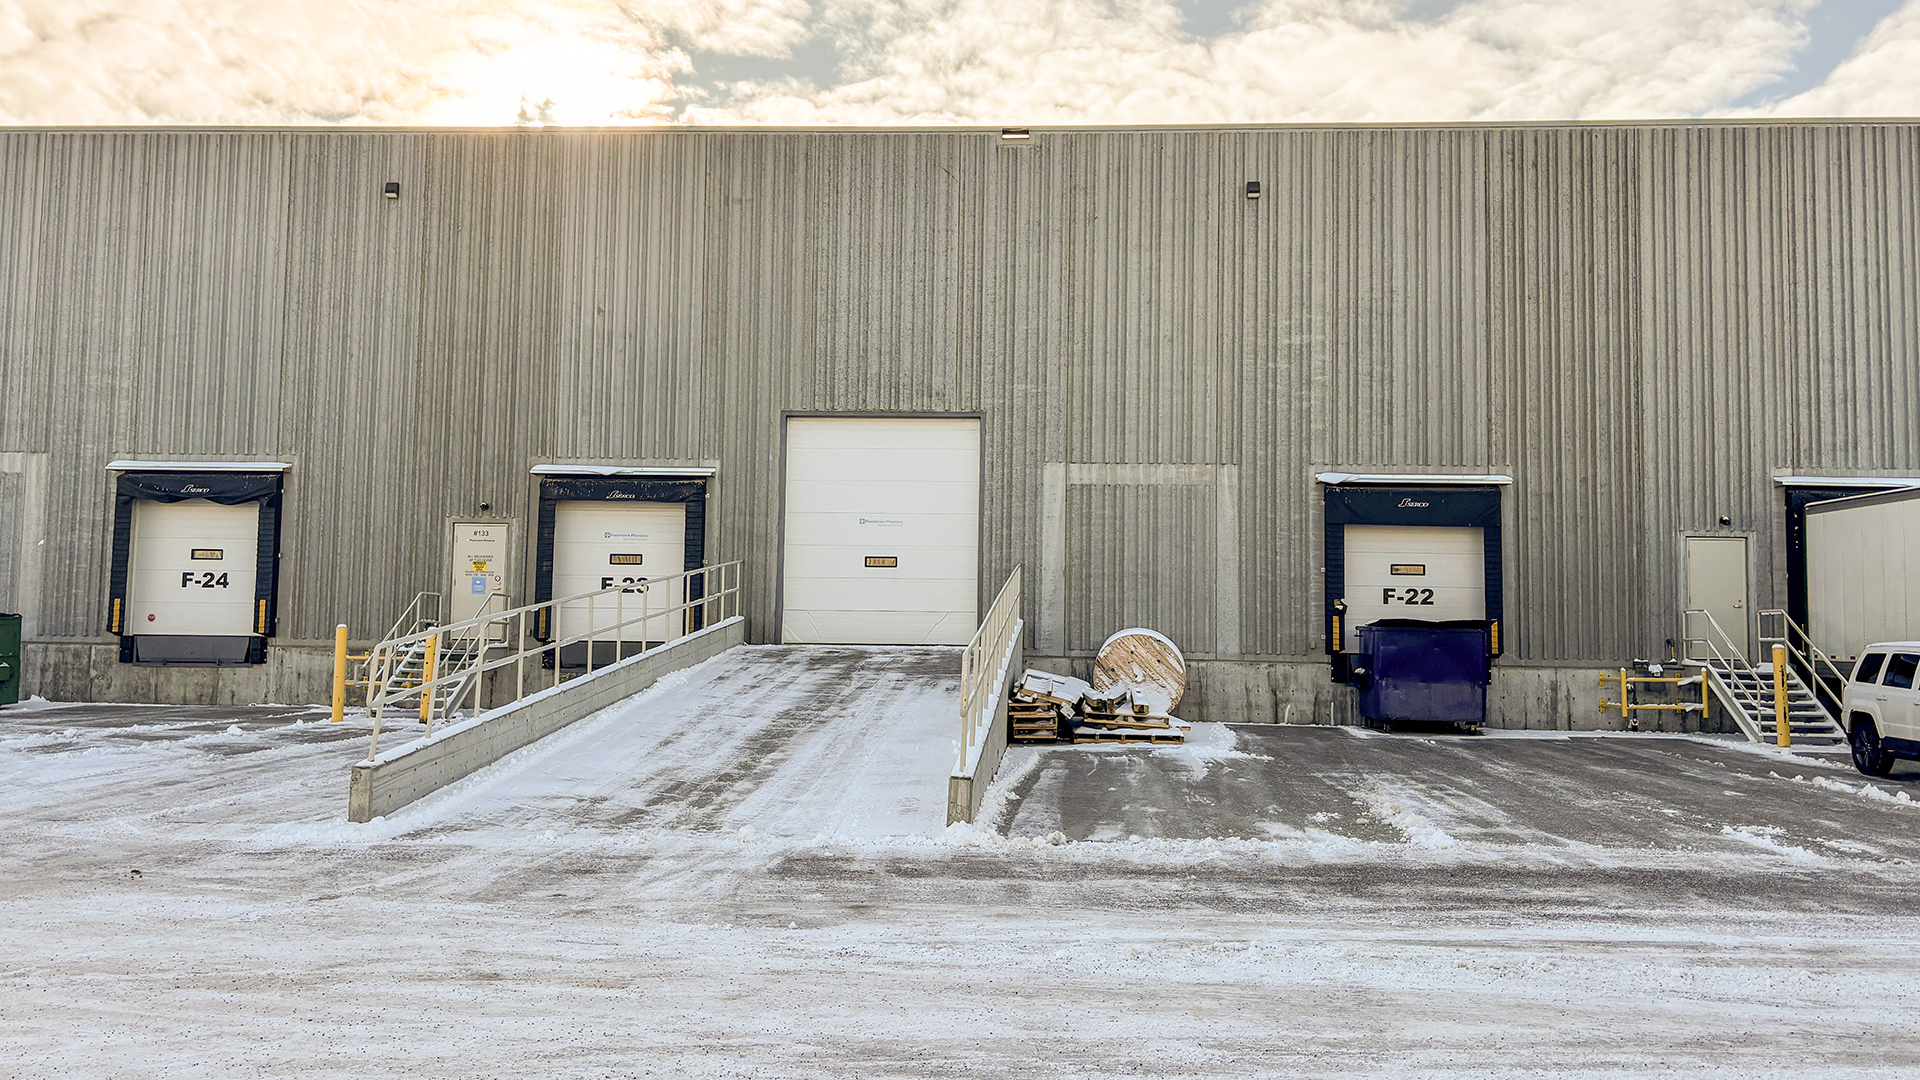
1725 520
1253 189
392 190
1015 134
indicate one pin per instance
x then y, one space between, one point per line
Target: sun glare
556 72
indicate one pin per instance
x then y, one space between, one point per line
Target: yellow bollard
339 672
426 681
1783 733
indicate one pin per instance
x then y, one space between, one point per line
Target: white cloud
450 62
1127 61
1881 79
741 27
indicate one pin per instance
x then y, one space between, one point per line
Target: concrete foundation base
88 671
1303 692
1224 691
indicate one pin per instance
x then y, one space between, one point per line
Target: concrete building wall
1642 324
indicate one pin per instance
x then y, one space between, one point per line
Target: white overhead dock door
1432 573
597 545
882 531
192 569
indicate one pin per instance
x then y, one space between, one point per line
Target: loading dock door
192 572
882 538
1433 573
597 544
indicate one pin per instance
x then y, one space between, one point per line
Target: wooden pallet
1033 721
1130 723
1153 738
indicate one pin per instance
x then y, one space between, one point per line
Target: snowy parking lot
745 871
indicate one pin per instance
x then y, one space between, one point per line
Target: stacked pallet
1042 706
1057 708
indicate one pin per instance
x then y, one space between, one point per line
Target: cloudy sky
933 62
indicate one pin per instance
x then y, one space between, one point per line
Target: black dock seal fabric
225 488
555 490
1474 506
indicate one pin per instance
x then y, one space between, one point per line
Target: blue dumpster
1434 672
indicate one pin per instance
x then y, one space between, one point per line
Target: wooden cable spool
1144 663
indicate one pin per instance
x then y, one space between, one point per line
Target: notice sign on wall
479 567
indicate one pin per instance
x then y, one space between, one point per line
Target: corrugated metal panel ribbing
1640 323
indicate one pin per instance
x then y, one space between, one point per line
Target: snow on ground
746 871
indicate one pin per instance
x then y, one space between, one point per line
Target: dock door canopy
1426 553
195 561
882 531
600 531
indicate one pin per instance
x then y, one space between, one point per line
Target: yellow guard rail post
1782 733
426 682
339 672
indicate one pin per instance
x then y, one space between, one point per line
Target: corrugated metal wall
1641 323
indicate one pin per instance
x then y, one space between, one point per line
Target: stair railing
464 648
378 668
1806 656
1722 659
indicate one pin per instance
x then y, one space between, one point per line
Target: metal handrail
1738 698
1726 663
415 616
375 670
718 599
1806 659
1792 632
983 661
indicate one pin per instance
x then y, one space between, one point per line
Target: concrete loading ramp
798 741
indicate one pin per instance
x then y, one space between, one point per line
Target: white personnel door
1717 584
1433 573
192 568
601 544
882 541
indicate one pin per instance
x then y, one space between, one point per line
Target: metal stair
453 656
390 676
1746 689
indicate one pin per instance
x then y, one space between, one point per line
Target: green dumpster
9 659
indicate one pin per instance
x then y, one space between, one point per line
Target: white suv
1882 706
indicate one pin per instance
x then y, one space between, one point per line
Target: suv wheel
1869 756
